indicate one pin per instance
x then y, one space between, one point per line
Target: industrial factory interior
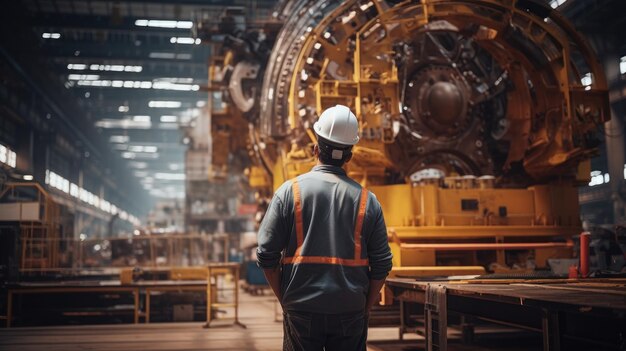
381 175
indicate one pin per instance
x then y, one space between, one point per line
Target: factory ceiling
136 72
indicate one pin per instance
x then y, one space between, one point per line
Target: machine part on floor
475 126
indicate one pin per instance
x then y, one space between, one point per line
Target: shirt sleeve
378 251
273 235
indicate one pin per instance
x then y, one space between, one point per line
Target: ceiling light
27 177
112 68
83 77
170 126
123 109
138 165
163 24
169 56
121 147
586 80
201 103
51 35
132 84
185 80
174 86
128 155
147 155
119 139
170 176
142 148
8 156
184 40
77 66
162 55
164 104
141 118
556 3
110 123
169 119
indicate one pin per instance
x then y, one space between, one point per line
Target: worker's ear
348 158
316 151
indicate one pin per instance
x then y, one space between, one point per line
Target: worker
323 246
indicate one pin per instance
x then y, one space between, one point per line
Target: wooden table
590 310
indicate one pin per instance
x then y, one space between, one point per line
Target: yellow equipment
475 125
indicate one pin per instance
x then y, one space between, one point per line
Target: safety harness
297 258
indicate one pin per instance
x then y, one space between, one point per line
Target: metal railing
182 250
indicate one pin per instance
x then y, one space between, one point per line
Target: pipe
584 254
485 246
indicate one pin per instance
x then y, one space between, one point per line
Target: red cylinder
584 254
573 272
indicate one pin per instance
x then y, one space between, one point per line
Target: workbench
589 312
209 285
105 287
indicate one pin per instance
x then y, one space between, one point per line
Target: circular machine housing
487 87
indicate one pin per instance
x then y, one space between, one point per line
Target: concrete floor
256 312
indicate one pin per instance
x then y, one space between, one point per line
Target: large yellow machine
477 119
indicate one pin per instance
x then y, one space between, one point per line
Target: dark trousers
315 332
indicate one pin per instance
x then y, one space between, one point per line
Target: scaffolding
37 215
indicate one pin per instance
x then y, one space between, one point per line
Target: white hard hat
339 125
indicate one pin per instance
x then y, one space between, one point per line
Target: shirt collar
329 169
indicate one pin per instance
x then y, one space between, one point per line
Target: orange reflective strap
298 258
297 205
359 224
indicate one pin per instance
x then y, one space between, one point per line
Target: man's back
330 273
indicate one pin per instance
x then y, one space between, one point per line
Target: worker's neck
320 163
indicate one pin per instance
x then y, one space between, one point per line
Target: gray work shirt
330 201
